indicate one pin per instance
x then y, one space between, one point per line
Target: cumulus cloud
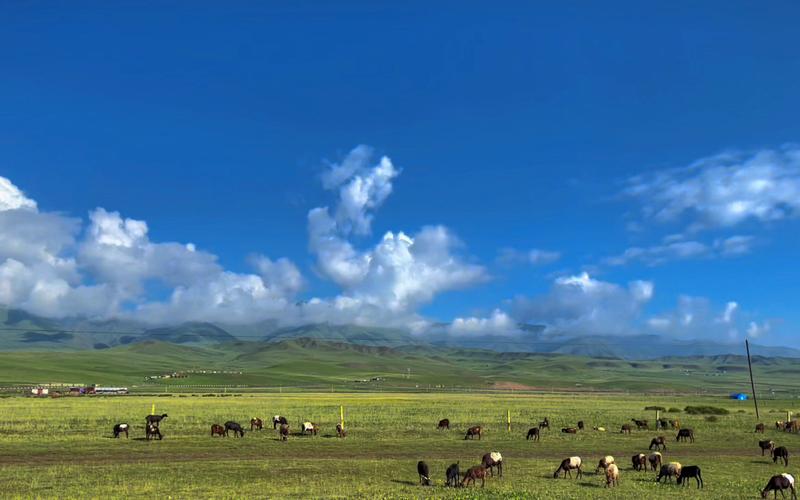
12 197
497 323
723 190
696 317
535 256
580 304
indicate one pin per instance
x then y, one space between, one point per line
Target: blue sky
511 130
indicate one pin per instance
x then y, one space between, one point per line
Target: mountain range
22 331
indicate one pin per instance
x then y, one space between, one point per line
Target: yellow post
341 415
153 409
508 419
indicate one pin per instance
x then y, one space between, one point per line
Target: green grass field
62 447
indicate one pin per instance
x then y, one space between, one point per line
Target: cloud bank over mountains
56 265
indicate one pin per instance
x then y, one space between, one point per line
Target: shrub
674 410
705 410
654 408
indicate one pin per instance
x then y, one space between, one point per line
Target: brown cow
472 432
477 472
217 430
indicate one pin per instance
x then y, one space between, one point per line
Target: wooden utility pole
752 384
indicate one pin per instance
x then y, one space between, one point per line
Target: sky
609 168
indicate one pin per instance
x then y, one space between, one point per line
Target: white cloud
695 317
674 248
580 304
497 323
12 198
535 256
724 190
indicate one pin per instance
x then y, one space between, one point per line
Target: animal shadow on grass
590 484
143 439
407 483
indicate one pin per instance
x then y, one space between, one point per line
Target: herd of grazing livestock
491 463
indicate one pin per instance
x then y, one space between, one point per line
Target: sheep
340 431
256 423
533 433
235 427
472 432
569 430
580 425
690 471
780 453
625 429
604 462
655 460
154 419
684 435
492 460
309 427
151 431
759 428
765 445
452 475
217 430
544 424
444 424
640 424
612 475
672 469
779 483
279 420
639 462
659 443
599 429
569 464
424 473
119 429
284 432
473 473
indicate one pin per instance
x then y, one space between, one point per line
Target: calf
685 435
424 473
474 473
279 420
781 453
533 433
340 432
688 472
568 465
217 430
659 443
284 432
309 428
256 423
151 431
119 429
452 474
235 427
639 462
604 462
444 424
491 461
766 445
779 483
472 432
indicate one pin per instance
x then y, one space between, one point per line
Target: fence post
341 415
508 419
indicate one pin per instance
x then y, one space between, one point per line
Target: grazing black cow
685 435
533 433
151 431
444 424
779 483
544 424
119 429
235 427
472 432
491 461
452 475
640 424
658 443
639 462
155 419
688 472
781 453
279 420
424 473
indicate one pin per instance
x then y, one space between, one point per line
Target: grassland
62 447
